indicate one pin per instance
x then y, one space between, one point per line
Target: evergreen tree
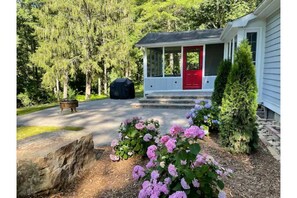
28 74
57 52
238 130
220 82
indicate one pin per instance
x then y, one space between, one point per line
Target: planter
72 104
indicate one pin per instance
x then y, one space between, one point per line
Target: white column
181 66
144 69
203 62
232 53
163 62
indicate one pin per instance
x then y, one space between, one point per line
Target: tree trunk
99 86
57 89
65 87
105 79
88 85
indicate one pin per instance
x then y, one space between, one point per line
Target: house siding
271 70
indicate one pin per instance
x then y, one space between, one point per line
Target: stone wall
55 171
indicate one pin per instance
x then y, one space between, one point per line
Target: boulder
56 170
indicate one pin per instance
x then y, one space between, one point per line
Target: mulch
256 175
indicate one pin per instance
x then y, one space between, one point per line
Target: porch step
172 100
166 101
164 106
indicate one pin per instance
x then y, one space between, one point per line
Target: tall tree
86 18
115 51
57 52
28 74
216 13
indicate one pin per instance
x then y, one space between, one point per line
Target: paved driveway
102 118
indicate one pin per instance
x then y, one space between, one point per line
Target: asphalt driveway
102 118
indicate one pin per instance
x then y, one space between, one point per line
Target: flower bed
135 136
177 168
204 115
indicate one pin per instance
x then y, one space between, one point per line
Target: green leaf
194 148
125 156
177 187
220 184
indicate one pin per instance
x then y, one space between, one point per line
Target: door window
193 62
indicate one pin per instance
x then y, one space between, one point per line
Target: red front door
192 67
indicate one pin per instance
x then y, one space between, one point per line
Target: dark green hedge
238 129
220 82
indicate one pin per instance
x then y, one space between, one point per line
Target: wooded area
80 46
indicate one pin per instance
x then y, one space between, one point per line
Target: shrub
178 169
135 136
220 82
24 98
238 129
204 115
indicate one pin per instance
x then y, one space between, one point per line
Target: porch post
144 69
163 62
181 66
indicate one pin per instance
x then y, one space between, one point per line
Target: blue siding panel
271 71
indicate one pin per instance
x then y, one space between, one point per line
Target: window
193 58
154 62
172 61
252 38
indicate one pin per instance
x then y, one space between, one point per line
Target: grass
81 98
31 109
28 131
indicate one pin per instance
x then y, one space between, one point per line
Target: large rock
55 171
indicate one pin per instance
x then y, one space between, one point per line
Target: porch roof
179 37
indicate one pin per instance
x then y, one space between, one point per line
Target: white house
179 61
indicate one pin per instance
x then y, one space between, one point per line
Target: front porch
181 61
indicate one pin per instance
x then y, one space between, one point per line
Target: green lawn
31 109
28 131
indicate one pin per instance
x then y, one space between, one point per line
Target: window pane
252 38
193 59
172 61
154 62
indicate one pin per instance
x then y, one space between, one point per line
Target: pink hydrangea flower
184 184
193 132
222 194
200 160
151 127
155 174
151 164
138 172
170 145
114 143
147 137
151 152
178 194
176 129
172 170
183 162
164 139
195 183
139 126
167 180
114 157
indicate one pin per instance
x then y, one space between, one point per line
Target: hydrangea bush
177 169
135 136
204 115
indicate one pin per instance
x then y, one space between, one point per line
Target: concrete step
167 101
180 95
164 106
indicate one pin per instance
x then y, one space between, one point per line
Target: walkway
100 117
